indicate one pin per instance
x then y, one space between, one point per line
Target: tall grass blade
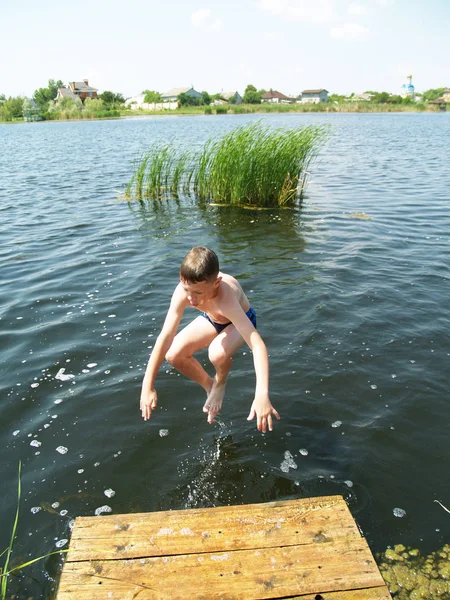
13 535
6 571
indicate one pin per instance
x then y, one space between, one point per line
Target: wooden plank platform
309 549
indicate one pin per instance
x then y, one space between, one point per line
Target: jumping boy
226 323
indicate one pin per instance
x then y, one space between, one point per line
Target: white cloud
356 9
272 36
203 20
349 32
311 11
384 2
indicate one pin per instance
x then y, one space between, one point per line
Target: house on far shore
361 97
442 102
228 95
82 89
64 92
172 95
275 97
314 96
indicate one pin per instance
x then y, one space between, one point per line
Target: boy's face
199 293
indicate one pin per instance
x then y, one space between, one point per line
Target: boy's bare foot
214 401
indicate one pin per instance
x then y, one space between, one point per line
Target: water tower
408 89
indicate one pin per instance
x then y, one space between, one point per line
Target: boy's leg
194 337
221 351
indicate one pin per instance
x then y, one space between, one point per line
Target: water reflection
260 235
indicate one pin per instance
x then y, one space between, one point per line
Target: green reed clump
254 165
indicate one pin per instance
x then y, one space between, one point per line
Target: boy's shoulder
229 280
229 285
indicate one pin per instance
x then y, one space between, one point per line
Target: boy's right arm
163 342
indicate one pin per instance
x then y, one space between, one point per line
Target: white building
314 96
172 95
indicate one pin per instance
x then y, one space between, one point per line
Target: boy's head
199 264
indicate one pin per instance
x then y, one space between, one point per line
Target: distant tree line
12 108
45 98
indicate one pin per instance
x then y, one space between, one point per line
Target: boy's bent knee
218 357
172 356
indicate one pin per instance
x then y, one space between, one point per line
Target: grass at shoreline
323 107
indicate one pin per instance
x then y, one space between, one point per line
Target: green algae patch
411 576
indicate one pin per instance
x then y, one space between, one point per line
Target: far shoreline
279 109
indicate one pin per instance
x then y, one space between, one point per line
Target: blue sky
126 46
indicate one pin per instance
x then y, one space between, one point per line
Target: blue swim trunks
221 326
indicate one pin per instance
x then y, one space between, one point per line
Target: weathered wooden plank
283 523
375 593
346 564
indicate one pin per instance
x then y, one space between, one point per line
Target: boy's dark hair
199 264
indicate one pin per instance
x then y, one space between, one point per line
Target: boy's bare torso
228 290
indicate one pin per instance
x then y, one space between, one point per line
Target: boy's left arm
261 407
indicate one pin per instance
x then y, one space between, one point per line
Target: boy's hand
149 400
263 410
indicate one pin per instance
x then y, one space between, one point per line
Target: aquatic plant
252 165
411 576
6 571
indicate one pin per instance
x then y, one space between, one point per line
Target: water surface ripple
351 292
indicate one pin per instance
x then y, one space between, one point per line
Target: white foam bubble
163 432
303 451
62 449
61 543
336 424
102 509
91 365
35 509
288 462
62 376
35 443
399 512
109 493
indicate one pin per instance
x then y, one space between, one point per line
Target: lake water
354 312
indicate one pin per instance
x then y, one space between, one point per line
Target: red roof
274 94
